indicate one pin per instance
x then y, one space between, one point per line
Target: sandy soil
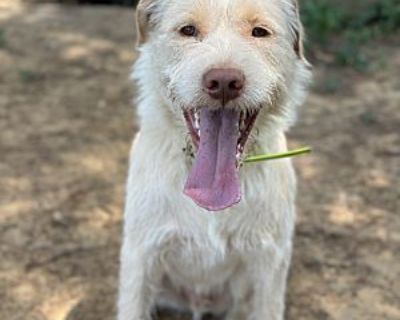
66 123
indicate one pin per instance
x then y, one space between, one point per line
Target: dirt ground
66 122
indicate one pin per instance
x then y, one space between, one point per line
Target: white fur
175 253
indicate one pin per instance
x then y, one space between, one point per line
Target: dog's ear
144 19
296 28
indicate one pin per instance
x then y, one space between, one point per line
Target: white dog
219 80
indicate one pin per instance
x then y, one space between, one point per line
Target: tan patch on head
196 13
207 16
249 14
199 16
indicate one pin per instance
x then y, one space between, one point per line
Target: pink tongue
213 182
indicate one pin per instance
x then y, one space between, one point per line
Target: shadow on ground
66 124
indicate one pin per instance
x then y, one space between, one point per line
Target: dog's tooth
197 120
239 148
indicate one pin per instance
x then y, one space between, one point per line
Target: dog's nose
224 84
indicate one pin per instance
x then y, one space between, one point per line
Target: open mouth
220 137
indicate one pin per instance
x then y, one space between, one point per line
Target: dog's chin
219 136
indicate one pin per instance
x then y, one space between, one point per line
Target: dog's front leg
260 290
270 289
135 298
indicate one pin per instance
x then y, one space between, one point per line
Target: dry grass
66 126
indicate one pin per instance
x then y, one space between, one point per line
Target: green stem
267 157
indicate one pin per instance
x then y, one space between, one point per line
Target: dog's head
219 64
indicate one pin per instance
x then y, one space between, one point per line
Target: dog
218 80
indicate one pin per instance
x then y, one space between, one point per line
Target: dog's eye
188 31
260 32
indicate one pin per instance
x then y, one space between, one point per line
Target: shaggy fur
232 263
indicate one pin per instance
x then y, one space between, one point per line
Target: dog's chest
199 274
199 258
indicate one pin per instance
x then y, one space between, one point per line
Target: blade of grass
267 157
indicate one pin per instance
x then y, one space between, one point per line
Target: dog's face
219 63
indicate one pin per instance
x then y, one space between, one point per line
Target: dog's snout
224 84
